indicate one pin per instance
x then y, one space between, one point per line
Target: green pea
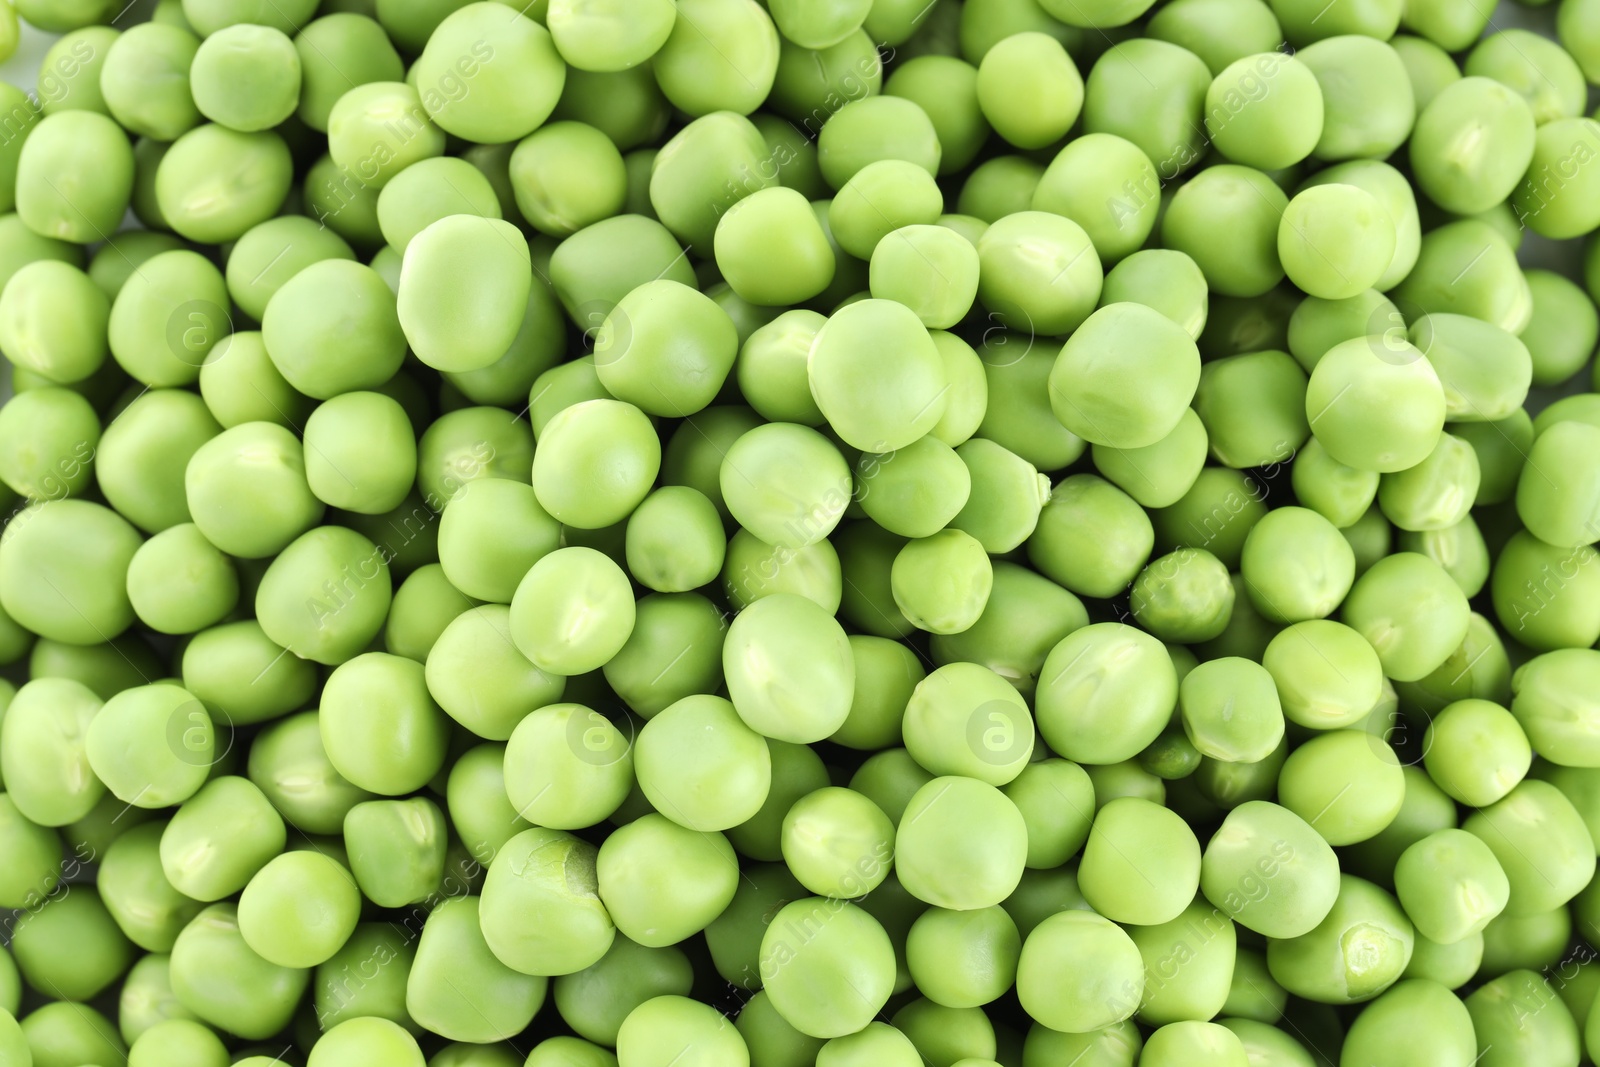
74 177
1451 885
1105 692
54 320
1039 273
1154 94
253 172
1519 1017
754 569
596 1000
1345 783
1354 954
1367 114
567 766
256 998
960 844
1017 412
1193 1042
721 55
595 462
942 582
1335 241
1079 973
458 989
397 849
675 650
999 187
1109 401
337 52
1558 334
789 669
1227 219
1218 32
479 677
1135 841
1265 111
1183 596
1471 145
662 882
700 765
64 1031
144 78
377 686
1170 282
1231 710
377 129
1555 724
1117 1045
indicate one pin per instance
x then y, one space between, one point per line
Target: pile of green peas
776 533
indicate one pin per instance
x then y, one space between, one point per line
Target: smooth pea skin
299 909
1105 692
458 989
1519 1018
595 462
572 612
1545 866
219 978
827 966
1375 410
789 668
905 394
1270 870
662 1028
1102 393
1141 864
1451 885
661 882
666 348
332 328
1079 972
701 766
463 287
1346 783
960 844
408 749
1355 953
1265 111
1411 611
152 745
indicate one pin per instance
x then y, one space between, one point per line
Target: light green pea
396 849
864 413
458 989
74 177
1335 241
399 757
662 882
1347 784
942 582
1265 111
1141 863
1231 710
1226 219
721 55
1060 992
1519 1018
1029 89
219 838
960 844
481 679
1039 273
1105 692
